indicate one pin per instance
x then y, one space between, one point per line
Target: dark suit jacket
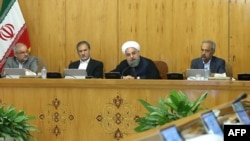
145 70
217 65
94 68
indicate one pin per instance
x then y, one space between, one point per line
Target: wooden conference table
101 109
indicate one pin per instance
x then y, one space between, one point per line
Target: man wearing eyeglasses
21 59
135 66
207 60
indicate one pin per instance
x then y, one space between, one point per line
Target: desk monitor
75 73
241 113
112 75
54 75
211 123
13 72
244 76
175 76
171 133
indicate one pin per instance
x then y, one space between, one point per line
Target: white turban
129 44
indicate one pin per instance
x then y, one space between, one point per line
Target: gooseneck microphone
241 97
134 72
124 70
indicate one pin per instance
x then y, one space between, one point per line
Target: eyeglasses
23 52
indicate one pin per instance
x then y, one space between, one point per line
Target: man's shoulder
196 59
147 59
10 59
75 62
33 58
96 61
218 59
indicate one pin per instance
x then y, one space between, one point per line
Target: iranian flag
12 29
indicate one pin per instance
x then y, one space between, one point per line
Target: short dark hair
81 43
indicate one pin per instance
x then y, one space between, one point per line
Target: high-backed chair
162 67
229 70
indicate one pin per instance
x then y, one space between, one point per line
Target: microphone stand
124 70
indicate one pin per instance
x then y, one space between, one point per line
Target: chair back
162 68
229 70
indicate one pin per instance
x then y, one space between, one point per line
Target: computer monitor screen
211 123
241 113
171 134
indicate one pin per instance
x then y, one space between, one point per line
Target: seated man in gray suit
21 59
93 67
207 60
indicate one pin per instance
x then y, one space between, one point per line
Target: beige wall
167 30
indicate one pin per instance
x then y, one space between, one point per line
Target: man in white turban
136 66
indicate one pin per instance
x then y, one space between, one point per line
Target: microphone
124 70
222 113
133 69
226 110
132 65
239 98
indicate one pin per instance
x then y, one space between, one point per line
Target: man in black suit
93 67
207 60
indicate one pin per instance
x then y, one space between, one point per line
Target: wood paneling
167 30
97 110
239 36
96 22
46 26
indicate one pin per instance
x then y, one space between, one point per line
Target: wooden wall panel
239 36
147 22
167 30
208 20
96 22
46 26
172 30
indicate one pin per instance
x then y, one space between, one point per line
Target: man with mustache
21 59
135 66
208 60
93 67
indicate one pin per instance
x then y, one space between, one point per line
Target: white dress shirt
83 64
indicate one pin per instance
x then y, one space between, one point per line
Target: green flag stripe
6 6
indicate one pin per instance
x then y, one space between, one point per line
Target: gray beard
134 63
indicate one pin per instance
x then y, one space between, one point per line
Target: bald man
21 59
